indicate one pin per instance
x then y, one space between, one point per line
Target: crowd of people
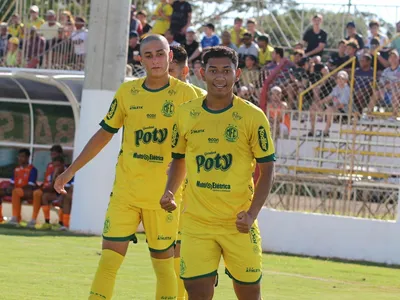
24 186
41 43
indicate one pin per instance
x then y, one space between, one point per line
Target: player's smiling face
155 58
220 74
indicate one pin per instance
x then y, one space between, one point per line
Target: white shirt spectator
79 39
174 43
252 50
341 96
49 32
393 76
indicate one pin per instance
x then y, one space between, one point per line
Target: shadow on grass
23 231
338 260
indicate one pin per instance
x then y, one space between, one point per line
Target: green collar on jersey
156 90
204 105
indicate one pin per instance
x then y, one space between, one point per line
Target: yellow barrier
359 152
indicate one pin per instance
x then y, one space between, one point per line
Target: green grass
48 265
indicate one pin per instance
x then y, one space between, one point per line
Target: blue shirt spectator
210 39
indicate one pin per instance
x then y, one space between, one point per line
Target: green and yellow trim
162 250
108 128
242 282
178 155
156 90
119 239
266 159
213 273
204 105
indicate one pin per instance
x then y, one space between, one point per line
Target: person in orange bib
23 183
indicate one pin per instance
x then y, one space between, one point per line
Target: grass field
49 265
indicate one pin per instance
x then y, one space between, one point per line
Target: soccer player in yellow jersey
179 68
145 108
218 139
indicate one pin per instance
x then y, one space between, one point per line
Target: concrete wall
330 236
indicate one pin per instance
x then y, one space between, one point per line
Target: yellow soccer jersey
220 149
147 117
199 92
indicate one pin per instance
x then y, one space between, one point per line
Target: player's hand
61 181
244 222
167 201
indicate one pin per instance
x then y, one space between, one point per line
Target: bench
371 133
339 172
359 152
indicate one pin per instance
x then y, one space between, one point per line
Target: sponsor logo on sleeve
263 138
112 109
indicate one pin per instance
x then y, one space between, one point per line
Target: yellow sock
166 278
182 294
104 280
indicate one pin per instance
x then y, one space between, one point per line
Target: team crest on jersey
169 218
262 138
134 91
168 109
112 109
231 133
171 92
194 114
236 116
107 226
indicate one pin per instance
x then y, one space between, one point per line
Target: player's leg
182 294
243 261
16 196
161 229
66 204
37 202
120 226
47 198
200 256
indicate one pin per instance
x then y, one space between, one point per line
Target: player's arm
110 125
177 171
262 147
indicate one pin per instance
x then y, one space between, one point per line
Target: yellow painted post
352 80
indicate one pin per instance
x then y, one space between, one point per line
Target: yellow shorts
122 220
242 253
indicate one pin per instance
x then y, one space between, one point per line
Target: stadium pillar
104 72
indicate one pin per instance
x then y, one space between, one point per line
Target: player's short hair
264 38
59 159
153 37
180 55
210 25
219 52
25 151
373 23
57 148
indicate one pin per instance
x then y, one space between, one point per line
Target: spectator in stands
61 52
226 41
237 32
134 49
389 86
363 82
13 56
252 29
56 151
250 73
248 48
23 182
67 21
396 41
210 39
162 17
49 30
340 57
79 41
337 102
135 24
243 92
374 33
192 46
196 79
279 120
315 38
170 38
299 80
16 28
353 34
142 17
351 51
34 19
4 37
49 194
277 56
33 48
382 54
297 56
181 19
265 54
